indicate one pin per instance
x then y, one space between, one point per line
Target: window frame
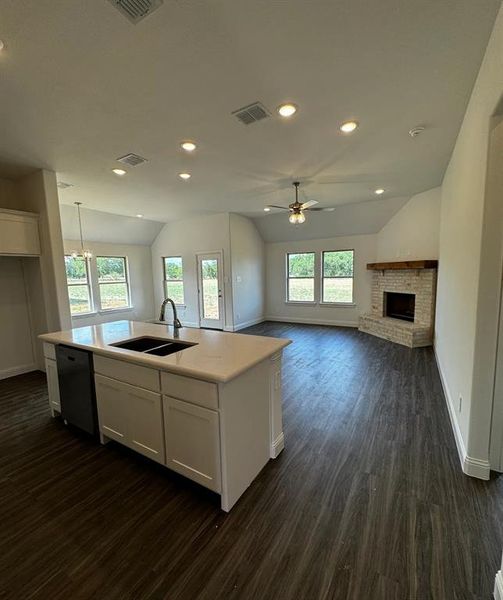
87 283
322 278
100 283
165 280
308 302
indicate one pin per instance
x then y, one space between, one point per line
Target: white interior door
210 288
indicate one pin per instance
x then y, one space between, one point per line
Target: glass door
209 268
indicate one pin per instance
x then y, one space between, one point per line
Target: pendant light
84 253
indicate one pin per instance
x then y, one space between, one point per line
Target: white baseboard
246 324
278 445
13 371
303 321
474 467
498 586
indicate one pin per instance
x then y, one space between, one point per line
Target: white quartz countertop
218 356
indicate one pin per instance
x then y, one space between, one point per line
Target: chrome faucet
176 321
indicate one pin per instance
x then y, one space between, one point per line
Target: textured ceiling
82 86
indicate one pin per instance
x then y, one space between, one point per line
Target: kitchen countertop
218 356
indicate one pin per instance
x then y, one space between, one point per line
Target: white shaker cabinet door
146 428
111 401
192 442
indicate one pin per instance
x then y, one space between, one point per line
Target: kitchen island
209 409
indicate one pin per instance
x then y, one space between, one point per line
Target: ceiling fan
297 208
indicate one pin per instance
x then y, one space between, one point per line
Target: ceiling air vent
136 10
251 113
133 160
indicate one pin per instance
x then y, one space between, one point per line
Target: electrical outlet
460 403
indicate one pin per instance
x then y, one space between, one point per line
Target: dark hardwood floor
366 502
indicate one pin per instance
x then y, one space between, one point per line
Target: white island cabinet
211 412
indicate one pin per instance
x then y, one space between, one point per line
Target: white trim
305 321
107 311
474 467
339 304
278 445
302 302
246 324
13 371
498 586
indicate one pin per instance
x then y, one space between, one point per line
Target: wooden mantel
406 264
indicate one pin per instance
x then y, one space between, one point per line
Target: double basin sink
153 346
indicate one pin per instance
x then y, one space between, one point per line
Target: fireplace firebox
399 305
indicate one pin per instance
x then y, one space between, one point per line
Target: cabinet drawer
129 372
196 391
49 351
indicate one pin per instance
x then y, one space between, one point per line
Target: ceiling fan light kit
297 209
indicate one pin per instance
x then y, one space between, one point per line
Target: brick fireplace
403 302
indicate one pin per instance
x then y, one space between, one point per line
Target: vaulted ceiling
81 86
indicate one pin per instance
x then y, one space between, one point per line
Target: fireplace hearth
399 306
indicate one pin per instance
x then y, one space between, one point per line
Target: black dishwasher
76 388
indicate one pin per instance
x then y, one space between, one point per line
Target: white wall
248 272
16 347
45 281
413 232
38 193
462 215
276 306
185 238
8 196
140 282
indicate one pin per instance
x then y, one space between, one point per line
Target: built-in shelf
406 264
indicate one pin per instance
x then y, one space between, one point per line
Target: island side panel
245 430
276 405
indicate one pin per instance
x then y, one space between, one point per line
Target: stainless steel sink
155 346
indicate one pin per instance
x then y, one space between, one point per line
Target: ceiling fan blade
309 203
274 206
320 209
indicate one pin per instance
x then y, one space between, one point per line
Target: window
173 278
300 277
112 282
337 276
77 279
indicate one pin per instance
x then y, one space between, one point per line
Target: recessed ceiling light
287 110
189 146
184 176
348 126
267 209
379 191
140 216
119 172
